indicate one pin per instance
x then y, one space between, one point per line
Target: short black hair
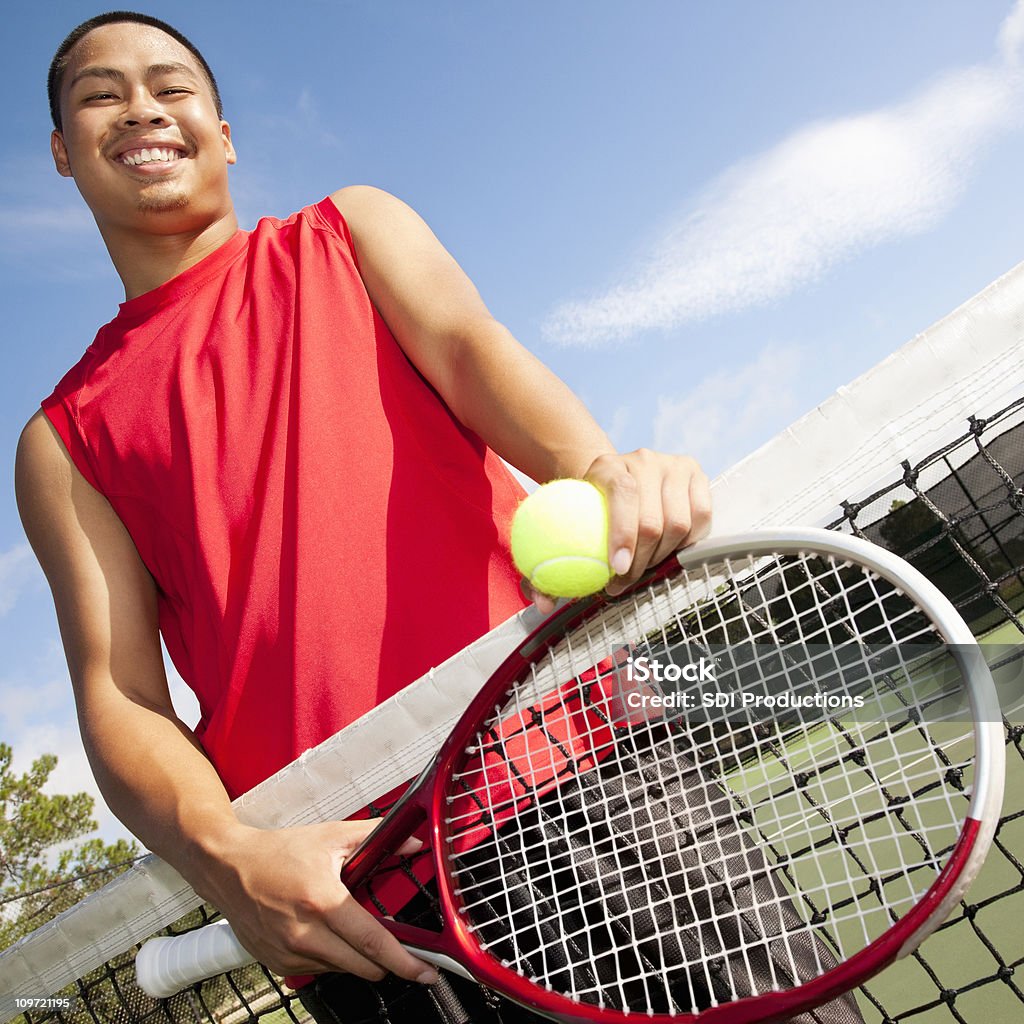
60 59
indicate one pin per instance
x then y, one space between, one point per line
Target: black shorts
346 999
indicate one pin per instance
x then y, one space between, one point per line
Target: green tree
43 870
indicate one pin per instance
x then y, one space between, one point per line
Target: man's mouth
151 155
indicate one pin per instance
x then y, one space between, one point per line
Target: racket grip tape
166 965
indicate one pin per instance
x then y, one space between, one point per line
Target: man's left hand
657 503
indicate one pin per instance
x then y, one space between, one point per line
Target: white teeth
146 156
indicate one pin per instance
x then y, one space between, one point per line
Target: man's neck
146 261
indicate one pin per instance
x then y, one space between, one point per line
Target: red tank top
321 529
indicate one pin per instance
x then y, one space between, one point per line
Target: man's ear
60 154
229 149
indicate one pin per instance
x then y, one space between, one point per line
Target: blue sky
705 217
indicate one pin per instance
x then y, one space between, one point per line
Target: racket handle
166 965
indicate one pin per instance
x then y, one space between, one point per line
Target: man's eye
174 90
100 96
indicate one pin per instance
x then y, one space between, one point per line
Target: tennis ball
560 539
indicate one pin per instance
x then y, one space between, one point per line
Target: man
276 453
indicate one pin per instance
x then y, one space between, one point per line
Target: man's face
141 135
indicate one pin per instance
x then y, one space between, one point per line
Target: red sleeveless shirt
320 528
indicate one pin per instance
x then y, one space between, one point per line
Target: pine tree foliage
45 864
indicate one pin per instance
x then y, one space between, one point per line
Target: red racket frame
425 801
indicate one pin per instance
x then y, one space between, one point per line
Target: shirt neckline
185 283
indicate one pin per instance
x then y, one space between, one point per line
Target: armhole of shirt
332 217
56 411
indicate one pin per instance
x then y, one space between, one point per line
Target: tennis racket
731 794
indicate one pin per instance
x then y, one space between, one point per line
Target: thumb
347 836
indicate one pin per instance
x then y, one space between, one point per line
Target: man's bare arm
657 502
280 889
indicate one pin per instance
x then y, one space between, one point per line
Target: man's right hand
282 893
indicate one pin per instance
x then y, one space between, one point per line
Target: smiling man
282 444
162 175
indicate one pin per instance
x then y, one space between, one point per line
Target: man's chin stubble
162 202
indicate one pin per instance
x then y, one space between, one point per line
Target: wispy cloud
1011 36
729 413
26 705
272 174
37 207
46 230
618 426
312 121
302 126
58 220
37 716
73 773
18 571
780 219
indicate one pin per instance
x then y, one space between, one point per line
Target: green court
974 953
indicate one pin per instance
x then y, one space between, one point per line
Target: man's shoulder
356 202
40 460
353 195
37 436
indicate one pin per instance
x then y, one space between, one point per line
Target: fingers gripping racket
731 794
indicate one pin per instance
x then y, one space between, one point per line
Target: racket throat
446 963
427 945
405 819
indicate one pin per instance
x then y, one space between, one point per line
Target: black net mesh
958 515
109 995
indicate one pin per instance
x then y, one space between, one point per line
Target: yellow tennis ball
560 539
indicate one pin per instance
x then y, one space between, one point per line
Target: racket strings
664 861
579 846
561 846
711 917
840 835
892 804
800 775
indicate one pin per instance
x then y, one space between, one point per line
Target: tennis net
956 512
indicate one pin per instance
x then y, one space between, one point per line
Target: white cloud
61 220
780 219
253 194
1011 35
730 413
24 704
38 208
46 230
311 121
36 718
73 773
18 570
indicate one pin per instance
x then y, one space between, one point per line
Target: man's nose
141 109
